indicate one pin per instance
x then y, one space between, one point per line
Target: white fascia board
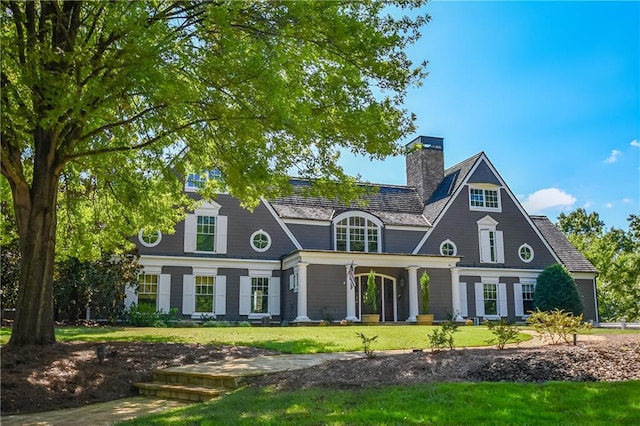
150 268
312 222
281 223
525 274
380 260
207 263
407 228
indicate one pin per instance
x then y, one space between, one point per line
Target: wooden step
181 392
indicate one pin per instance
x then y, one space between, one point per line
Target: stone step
197 379
181 392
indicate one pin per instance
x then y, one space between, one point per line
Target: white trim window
357 232
204 293
149 239
525 252
491 299
523 293
491 241
153 288
205 230
485 198
148 289
259 296
448 248
260 241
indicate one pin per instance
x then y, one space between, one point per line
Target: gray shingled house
302 259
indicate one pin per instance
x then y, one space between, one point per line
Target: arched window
357 231
448 248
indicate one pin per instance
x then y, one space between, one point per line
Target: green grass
283 339
441 403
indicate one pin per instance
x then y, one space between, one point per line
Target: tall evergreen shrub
556 289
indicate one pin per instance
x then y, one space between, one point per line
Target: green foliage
556 289
366 343
442 337
371 294
616 255
424 286
145 315
503 333
557 325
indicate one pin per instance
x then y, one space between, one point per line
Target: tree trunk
36 217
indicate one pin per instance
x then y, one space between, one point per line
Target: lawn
283 339
442 403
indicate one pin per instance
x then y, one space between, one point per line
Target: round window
526 253
260 241
149 239
447 248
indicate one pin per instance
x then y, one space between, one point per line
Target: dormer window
484 198
491 241
197 180
357 231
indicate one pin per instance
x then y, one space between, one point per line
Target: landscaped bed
68 374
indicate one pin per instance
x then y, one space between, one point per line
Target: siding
483 174
460 226
585 289
397 241
175 297
471 293
326 289
312 237
440 300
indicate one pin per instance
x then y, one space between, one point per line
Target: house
302 259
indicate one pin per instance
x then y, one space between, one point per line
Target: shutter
485 247
464 309
479 300
221 234
130 295
190 233
188 294
499 247
164 293
221 295
245 296
274 295
503 308
517 297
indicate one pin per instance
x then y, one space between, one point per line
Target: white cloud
588 205
635 143
627 200
615 154
548 198
609 205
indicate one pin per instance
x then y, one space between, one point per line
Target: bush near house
556 289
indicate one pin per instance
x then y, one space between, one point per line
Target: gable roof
394 205
572 259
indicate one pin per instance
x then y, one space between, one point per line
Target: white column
301 271
413 293
455 294
351 296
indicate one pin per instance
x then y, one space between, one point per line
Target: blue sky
548 90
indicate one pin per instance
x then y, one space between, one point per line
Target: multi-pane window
149 239
492 246
447 248
204 293
481 198
527 297
490 293
148 289
205 232
197 180
526 253
260 295
357 233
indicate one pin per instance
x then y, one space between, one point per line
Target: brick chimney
425 165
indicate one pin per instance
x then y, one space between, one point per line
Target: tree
555 289
616 255
106 105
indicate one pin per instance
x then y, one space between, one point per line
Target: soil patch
68 375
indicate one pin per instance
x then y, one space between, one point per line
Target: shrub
503 332
556 325
244 324
442 337
144 315
212 323
556 289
